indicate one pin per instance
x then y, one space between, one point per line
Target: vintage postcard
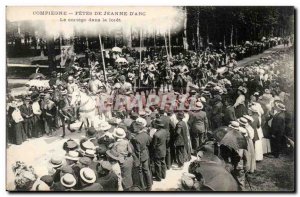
183 98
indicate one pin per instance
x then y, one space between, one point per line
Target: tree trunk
198 30
185 43
231 36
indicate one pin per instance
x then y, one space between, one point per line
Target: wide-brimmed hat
89 153
119 133
249 118
64 92
142 121
70 144
72 155
56 161
40 186
104 126
280 106
68 180
113 154
243 121
88 145
234 125
87 175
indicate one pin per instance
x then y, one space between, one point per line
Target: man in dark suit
229 112
141 143
217 112
159 148
27 114
277 129
180 140
167 124
199 124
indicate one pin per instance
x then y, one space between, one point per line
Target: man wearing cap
198 123
159 148
141 143
277 128
27 114
106 177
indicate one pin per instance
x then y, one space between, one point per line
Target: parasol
117 49
121 60
230 137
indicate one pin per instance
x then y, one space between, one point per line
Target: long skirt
37 127
266 143
19 135
258 145
252 162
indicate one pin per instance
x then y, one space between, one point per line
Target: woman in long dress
19 135
240 103
258 134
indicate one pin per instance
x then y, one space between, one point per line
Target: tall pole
60 46
140 68
103 61
166 47
170 48
231 36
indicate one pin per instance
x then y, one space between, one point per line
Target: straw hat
243 121
88 145
142 121
235 125
72 155
119 133
89 153
87 175
113 154
56 161
253 108
280 106
68 180
104 126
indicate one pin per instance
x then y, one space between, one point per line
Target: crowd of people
128 149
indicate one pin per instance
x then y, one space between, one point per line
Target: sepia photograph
150 99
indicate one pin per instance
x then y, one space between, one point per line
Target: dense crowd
249 110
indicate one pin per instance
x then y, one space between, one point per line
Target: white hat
72 155
202 99
119 133
88 145
68 180
104 126
199 105
142 121
87 175
234 125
